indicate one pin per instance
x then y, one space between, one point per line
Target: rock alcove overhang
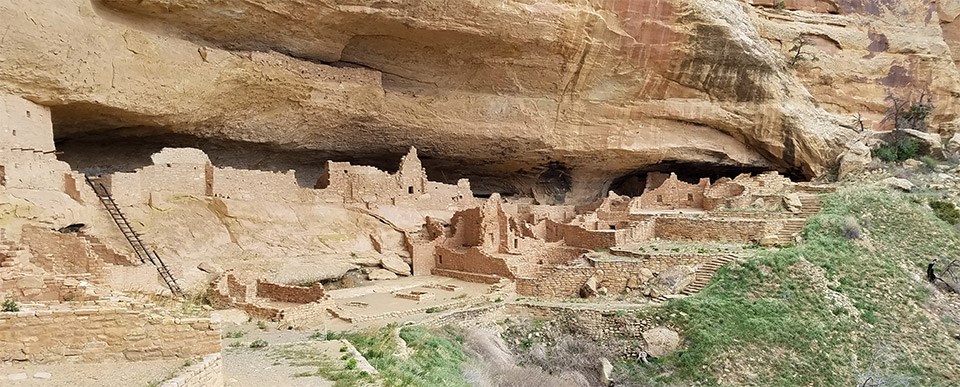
549 181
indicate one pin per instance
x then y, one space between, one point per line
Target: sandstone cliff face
597 89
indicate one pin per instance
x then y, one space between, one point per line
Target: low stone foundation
469 277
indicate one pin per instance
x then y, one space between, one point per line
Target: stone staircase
810 206
703 277
706 272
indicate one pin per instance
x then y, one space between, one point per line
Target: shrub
344 349
499 299
433 309
929 162
851 228
902 149
798 54
352 364
780 5
262 325
946 211
9 305
259 343
235 334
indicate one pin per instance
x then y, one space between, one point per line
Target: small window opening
689 197
410 189
516 243
28 114
659 198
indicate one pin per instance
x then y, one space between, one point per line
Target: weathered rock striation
512 89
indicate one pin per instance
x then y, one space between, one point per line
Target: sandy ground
91 375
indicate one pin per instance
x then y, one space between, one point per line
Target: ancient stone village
83 264
479 193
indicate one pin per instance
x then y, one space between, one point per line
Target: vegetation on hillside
435 357
834 310
849 306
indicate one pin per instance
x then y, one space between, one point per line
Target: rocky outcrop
487 88
661 341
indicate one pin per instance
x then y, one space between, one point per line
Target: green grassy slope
827 312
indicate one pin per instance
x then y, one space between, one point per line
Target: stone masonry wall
576 236
24 125
103 333
730 230
244 184
565 281
471 260
289 293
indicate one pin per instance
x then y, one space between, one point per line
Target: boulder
633 282
606 371
211 268
898 183
759 203
930 143
381 274
645 275
394 263
674 279
792 202
769 240
349 279
954 144
854 160
589 287
661 341
912 163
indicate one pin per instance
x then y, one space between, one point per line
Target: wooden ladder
139 248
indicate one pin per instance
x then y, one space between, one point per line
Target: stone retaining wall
705 229
207 373
565 281
103 333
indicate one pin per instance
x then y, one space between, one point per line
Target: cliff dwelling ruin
237 193
183 225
